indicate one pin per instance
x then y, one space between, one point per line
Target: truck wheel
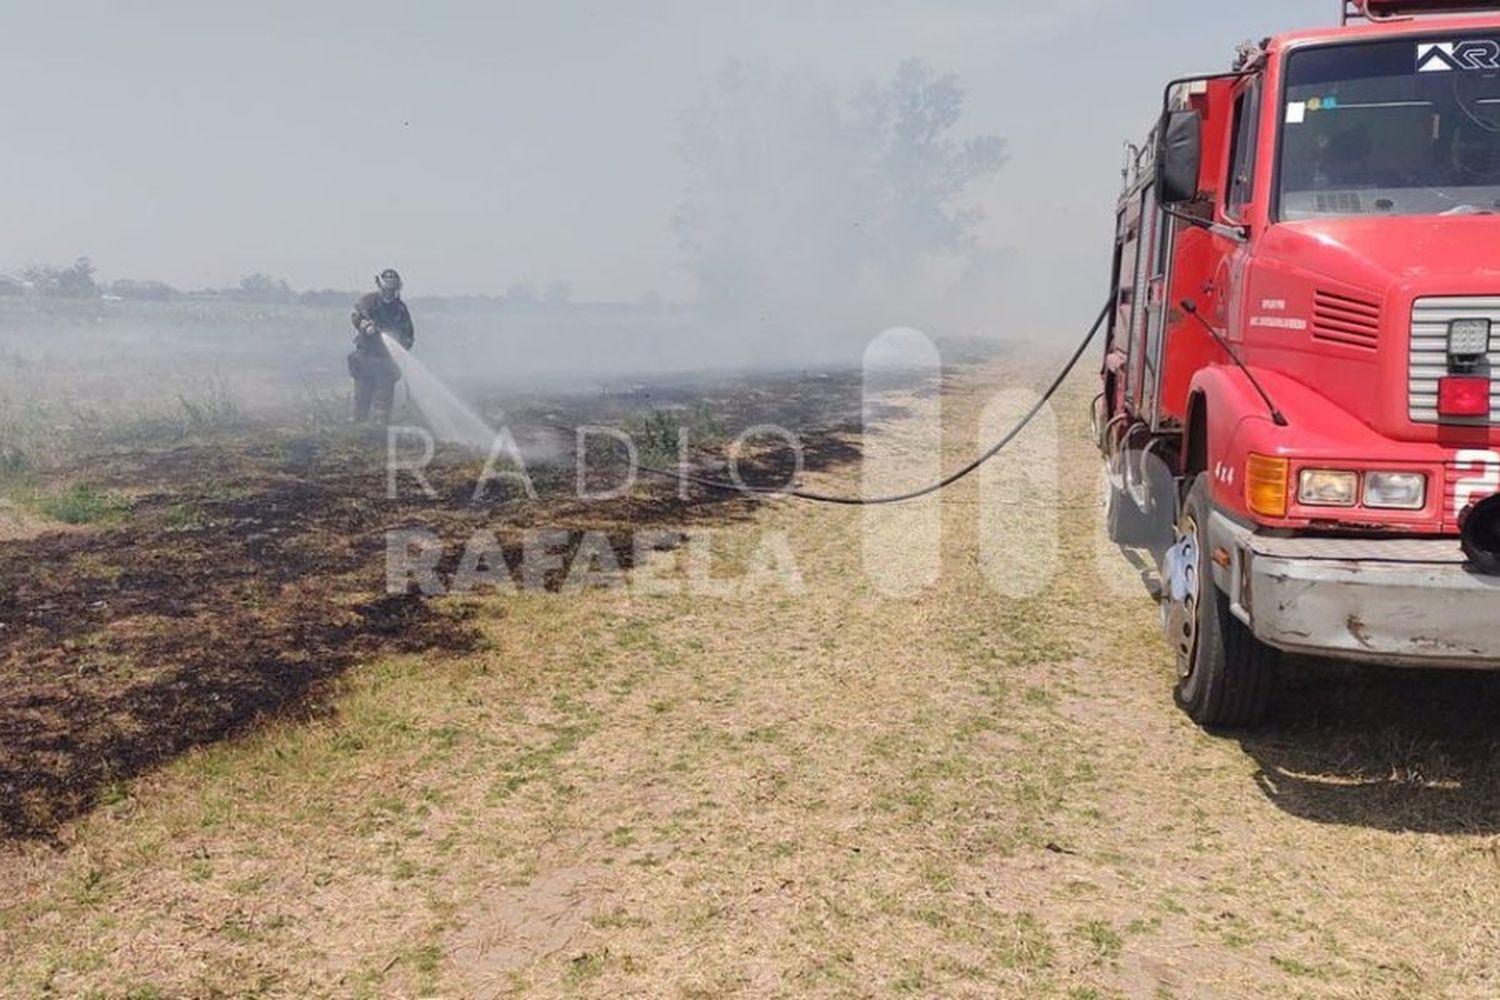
1226 676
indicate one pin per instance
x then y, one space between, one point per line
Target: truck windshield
1408 127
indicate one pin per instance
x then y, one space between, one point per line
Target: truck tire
1226 676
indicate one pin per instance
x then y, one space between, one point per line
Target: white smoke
450 419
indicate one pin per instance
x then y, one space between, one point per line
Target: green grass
657 435
82 504
586 966
1101 937
1024 944
1292 967
146 992
41 439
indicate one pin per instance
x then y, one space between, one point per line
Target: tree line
800 199
80 280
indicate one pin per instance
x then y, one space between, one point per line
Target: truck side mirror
1179 155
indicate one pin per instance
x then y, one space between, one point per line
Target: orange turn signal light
1266 485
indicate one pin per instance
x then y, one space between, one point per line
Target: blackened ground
249 572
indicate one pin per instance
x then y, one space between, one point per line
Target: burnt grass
249 573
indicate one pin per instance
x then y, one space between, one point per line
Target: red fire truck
1301 389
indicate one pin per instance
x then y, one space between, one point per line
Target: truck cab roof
1386 28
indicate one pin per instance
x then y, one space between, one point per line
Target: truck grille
1429 353
1340 319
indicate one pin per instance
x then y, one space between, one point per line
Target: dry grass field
793 786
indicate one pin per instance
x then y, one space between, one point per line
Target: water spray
450 419
453 421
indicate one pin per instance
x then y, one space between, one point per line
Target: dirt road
804 787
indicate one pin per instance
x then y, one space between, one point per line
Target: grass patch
144 993
1025 944
589 965
183 517
1100 937
1292 967
658 435
209 411
619 917
82 504
911 983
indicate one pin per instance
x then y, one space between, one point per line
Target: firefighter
370 365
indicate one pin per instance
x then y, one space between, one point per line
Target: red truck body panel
1322 310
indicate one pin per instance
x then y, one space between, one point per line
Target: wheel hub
1180 568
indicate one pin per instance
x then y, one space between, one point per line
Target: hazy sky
475 145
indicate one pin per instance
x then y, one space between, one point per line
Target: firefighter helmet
389 282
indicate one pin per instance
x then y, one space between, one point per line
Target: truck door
1239 190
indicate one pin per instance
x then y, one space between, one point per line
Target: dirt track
814 790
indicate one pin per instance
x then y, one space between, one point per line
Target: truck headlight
1328 488
1396 490
1468 338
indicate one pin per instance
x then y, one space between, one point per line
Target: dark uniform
375 374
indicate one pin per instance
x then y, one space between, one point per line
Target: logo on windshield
1444 57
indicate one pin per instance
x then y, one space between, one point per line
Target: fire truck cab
1300 409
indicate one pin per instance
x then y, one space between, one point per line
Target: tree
925 171
798 196
521 295
76 282
260 287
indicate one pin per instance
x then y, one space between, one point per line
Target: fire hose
941 484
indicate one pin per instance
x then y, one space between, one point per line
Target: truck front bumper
1404 602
